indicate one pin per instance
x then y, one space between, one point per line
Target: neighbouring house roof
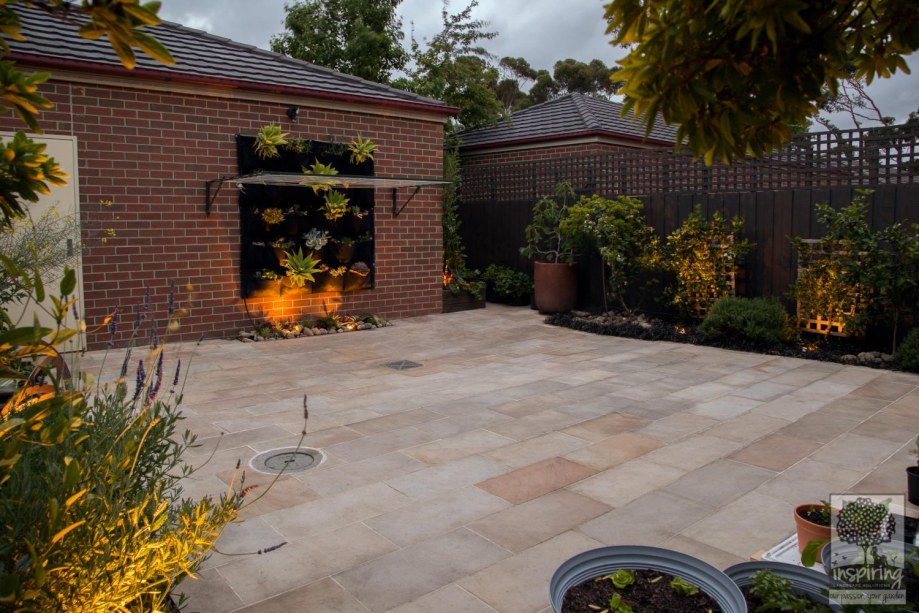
200 58
566 117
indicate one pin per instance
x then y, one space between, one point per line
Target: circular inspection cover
288 459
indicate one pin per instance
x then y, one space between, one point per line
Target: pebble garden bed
330 324
828 349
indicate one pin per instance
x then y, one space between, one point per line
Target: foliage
907 355
758 321
452 67
622 578
620 232
594 78
703 254
25 169
547 237
336 205
315 239
737 75
618 605
268 139
852 264
89 483
266 274
272 216
456 277
45 244
318 168
683 588
361 150
777 594
357 37
301 269
507 283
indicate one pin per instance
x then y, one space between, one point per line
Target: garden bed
827 349
331 324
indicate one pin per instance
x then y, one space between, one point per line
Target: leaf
71 472
69 282
153 48
18 337
61 534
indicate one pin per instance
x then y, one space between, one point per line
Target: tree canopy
358 37
736 75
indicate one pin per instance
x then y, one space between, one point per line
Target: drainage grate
288 459
402 365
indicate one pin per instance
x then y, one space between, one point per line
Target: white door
65 201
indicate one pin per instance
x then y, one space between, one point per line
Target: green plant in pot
551 247
507 285
268 139
813 523
301 269
336 205
361 150
319 185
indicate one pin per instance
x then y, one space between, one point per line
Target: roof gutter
225 82
565 136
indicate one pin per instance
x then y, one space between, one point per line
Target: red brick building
148 140
568 126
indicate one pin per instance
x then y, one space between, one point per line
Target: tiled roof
200 57
567 116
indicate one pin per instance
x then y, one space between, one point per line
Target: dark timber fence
775 196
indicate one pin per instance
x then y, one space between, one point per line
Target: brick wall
150 152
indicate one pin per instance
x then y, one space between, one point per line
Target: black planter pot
912 484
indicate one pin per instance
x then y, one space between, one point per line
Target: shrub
546 236
761 322
508 285
621 234
703 254
907 355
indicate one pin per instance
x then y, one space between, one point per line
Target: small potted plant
319 185
271 216
775 586
268 139
813 523
280 247
315 240
336 205
912 478
357 217
555 277
361 150
301 269
357 277
332 280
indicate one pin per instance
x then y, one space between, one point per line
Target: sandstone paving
463 484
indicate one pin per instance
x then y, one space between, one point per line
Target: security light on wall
292 113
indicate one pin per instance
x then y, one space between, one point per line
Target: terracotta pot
809 531
912 484
556 286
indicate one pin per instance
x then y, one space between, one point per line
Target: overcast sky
542 31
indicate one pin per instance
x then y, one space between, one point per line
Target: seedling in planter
683 588
621 578
616 604
776 594
301 268
361 150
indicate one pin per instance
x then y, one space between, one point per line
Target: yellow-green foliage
703 254
92 513
268 139
361 150
336 205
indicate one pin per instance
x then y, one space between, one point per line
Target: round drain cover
288 459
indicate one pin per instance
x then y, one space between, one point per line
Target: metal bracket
397 209
208 198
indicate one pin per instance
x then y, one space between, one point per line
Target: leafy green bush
762 322
907 355
703 254
548 238
621 234
508 285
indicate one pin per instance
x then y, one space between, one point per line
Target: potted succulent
684 580
332 280
265 280
361 150
357 277
912 478
319 185
280 247
813 524
271 216
555 277
268 139
315 240
336 205
301 269
357 217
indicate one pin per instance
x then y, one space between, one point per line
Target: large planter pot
555 286
605 560
804 581
809 531
912 484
